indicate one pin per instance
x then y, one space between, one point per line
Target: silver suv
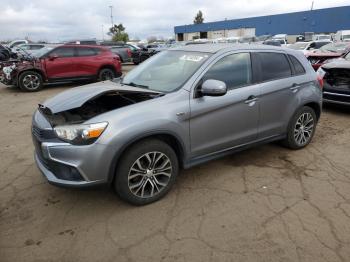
180 108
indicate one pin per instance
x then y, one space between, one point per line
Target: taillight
320 81
320 75
129 52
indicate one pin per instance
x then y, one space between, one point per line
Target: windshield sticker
192 58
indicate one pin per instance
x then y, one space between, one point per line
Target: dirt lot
265 204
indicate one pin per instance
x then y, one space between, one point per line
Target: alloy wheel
149 174
303 129
31 82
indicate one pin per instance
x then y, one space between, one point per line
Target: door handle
251 100
295 88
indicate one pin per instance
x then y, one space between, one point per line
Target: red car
327 52
62 64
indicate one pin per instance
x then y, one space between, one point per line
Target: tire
143 58
106 74
136 63
301 128
136 187
30 81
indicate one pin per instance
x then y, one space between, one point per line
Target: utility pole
111 7
103 34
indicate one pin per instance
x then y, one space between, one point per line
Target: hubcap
303 129
31 81
149 174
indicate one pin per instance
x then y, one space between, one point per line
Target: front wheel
146 172
301 128
30 81
106 74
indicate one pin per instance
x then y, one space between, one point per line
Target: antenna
312 5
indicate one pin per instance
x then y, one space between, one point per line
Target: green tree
198 19
118 33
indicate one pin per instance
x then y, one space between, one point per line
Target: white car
306 47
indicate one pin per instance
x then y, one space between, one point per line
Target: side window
312 45
274 66
63 52
298 67
36 47
235 70
85 51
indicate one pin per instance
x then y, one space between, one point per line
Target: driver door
219 123
59 64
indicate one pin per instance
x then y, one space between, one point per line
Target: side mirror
53 57
213 87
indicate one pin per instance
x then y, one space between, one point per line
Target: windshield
166 71
334 47
346 37
298 46
43 51
347 57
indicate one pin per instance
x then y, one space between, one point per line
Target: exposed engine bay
106 102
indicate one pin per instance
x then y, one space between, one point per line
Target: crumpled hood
337 64
76 97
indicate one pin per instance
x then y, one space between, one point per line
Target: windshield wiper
135 85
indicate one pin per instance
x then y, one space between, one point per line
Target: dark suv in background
64 63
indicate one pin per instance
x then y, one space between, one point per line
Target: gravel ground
264 204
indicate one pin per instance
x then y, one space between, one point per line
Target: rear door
219 123
86 61
278 92
59 63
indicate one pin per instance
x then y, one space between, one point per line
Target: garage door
233 32
248 31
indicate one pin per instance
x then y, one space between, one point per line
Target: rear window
274 66
298 67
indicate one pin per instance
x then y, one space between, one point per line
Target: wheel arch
316 107
42 74
107 66
168 137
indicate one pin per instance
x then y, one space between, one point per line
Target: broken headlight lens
80 134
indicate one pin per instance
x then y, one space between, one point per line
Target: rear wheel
146 172
106 74
30 81
301 128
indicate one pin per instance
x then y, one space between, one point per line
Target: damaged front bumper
6 74
68 165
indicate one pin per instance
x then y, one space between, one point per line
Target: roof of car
91 46
214 48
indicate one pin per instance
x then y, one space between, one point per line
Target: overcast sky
60 20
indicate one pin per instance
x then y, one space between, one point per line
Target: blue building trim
326 20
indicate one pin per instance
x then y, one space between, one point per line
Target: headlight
80 134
